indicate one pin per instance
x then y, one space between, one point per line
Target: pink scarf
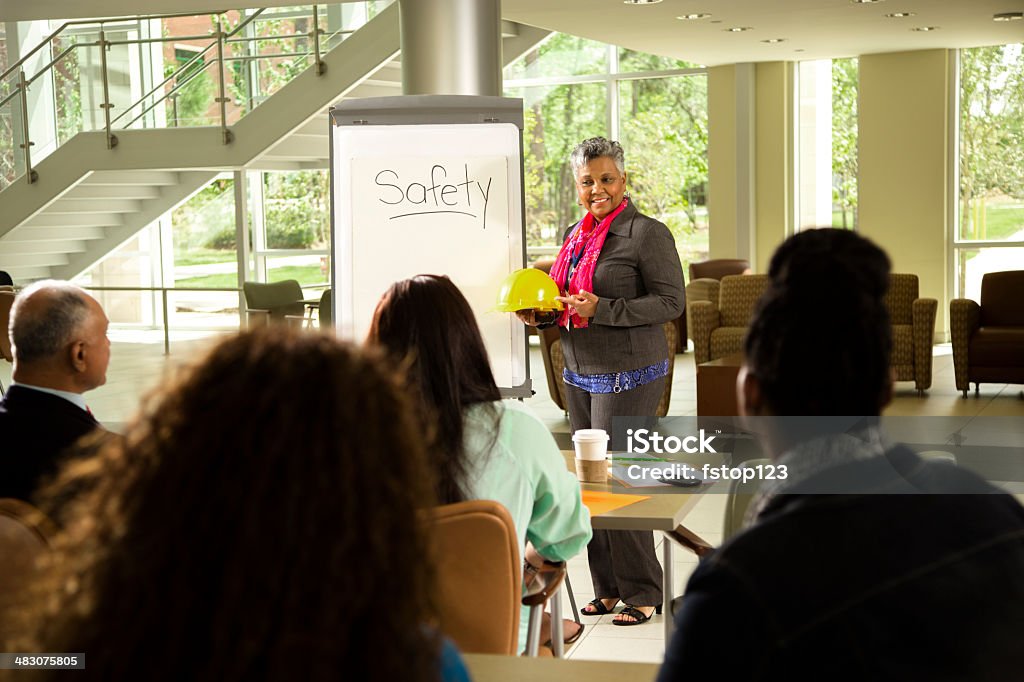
580 252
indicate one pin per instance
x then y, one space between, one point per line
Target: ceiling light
900 15
694 16
1008 16
865 2
737 29
641 2
925 29
772 41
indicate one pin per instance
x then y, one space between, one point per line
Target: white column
746 154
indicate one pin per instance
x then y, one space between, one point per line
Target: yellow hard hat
528 289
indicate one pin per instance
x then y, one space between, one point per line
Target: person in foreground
918 573
484 448
257 522
620 276
61 350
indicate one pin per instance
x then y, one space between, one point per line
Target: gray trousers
622 562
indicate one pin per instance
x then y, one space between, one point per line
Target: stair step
38 246
33 234
112 192
133 177
300 147
32 259
20 273
89 206
369 89
75 220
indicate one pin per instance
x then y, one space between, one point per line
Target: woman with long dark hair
483 447
256 522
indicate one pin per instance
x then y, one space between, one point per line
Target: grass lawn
1001 222
227 279
307 275
204 257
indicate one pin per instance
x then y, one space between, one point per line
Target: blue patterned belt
616 382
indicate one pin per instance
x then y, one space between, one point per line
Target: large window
989 236
828 143
574 88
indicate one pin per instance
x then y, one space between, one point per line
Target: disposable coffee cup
591 444
591 470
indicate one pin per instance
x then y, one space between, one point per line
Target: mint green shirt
523 470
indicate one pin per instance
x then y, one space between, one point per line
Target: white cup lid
589 435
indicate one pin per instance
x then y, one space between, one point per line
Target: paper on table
601 502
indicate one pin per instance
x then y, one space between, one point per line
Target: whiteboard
443 199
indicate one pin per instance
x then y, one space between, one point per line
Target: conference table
495 668
661 511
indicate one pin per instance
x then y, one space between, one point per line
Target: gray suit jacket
639 281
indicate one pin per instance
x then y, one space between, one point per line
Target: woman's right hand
528 317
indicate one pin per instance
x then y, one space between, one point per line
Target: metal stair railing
241 46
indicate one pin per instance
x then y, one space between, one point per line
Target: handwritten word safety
444 192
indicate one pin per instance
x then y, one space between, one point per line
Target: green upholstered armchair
913 331
719 326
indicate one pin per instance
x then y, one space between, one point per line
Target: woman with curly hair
257 522
483 448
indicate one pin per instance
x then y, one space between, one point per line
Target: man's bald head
58 333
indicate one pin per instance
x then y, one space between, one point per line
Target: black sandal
636 614
597 608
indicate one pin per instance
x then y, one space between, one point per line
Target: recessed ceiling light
900 15
641 2
1008 16
865 2
925 29
693 17
772 41
737 29
716 21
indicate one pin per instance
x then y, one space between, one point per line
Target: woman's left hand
584 302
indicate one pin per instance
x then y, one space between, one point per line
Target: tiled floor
139 366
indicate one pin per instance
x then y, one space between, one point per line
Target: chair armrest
964 320
545 583
257 317
701 289
923 312
705 318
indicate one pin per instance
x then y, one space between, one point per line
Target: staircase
88 199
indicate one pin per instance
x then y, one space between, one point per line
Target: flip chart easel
430 184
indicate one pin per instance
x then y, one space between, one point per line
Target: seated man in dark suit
61 350
867 563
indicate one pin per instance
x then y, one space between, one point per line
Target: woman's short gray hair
595 148
44 331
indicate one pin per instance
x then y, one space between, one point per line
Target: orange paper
601 502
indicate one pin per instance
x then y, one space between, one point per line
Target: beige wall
766 148
903 148
722 161
774 161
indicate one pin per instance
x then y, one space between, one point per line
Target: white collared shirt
75 398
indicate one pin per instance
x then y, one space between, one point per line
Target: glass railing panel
69 53
12 164
165 71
